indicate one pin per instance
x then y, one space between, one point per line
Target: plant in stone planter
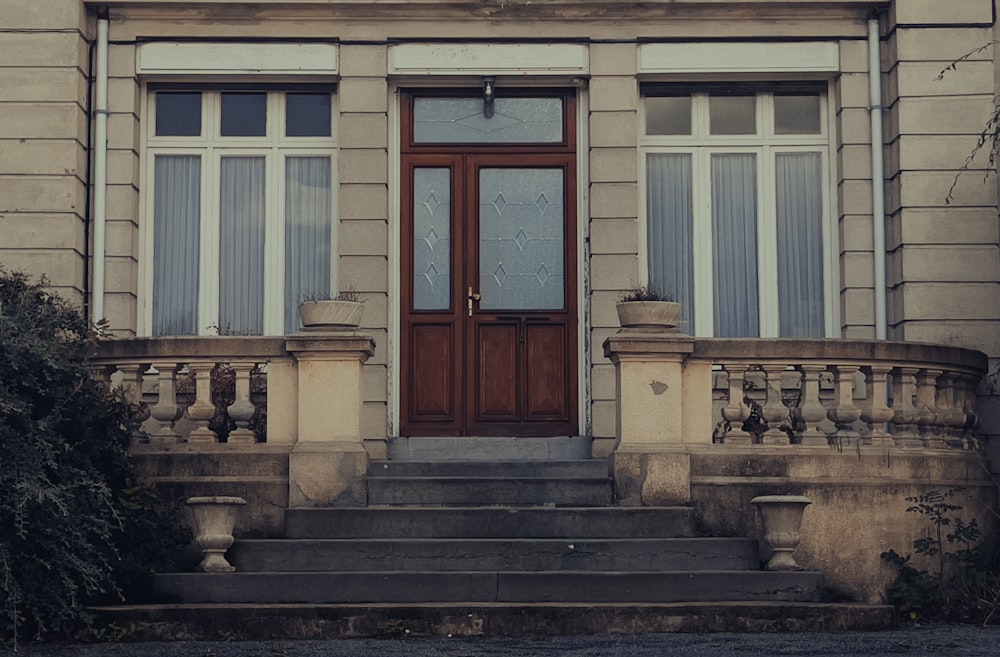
341 312
648 309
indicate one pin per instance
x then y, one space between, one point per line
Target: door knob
473 297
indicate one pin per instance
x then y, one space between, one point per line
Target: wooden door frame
458 157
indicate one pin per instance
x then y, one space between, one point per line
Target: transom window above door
239 208
737 182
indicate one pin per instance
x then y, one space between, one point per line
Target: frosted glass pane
800 245
796 115
669 115
244 115
732 115
241 246
178 114
734 245
177 223
671 220
514 120
307 115
521 239
431 239
308 218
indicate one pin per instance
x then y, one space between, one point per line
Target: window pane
733 115
521 239
244 115
178 114
800 245
668 115
514 120
241 246
431 239
176 227
308 212
797 115
734 241
671 220
307 115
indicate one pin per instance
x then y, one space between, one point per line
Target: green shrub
963 584
68 501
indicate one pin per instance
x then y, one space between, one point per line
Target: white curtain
734 240
177 223
671 221
241 245
800 245
308 212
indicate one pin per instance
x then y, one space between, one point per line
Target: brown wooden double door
489 319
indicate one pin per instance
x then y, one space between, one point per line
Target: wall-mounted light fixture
488 98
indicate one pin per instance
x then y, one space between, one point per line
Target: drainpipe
878 175
100 167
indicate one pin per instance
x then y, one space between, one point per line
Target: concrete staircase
499 545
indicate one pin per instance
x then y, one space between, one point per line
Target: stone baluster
904 413
951 415
165 411
774 411
927 413
133 375
875 411
811 410
736 411
202 410
242 410
101 374
967 390
844 413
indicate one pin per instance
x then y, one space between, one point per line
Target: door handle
473 297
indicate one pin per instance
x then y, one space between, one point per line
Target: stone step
584 468
512 522
244 622
489 586
478 491
286 555
492 448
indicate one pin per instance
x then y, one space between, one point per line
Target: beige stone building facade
197 169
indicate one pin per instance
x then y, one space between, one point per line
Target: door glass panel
521 239
176 228
308 208
734 241
431 238
241 246
461 120
671 230
799 195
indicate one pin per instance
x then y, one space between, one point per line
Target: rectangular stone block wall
43 137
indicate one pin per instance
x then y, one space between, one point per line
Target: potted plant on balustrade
647 309
342 312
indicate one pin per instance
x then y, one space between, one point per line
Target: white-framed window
738 207
240 202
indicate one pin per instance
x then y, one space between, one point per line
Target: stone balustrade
201 390
793 392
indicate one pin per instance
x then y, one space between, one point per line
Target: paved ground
950 641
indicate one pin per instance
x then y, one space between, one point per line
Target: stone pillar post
662 404
328 463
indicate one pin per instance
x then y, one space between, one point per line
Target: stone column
663 405
328 463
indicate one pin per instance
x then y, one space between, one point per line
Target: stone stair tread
207 621
499 468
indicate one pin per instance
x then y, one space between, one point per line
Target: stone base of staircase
290 621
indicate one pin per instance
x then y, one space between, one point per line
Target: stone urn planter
782 518
332 314
649 316
214 519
